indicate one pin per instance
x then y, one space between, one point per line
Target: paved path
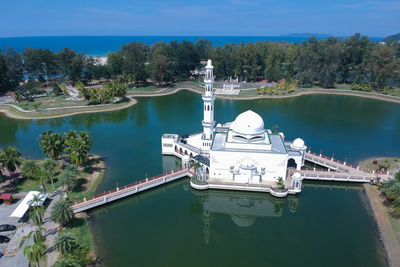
51 231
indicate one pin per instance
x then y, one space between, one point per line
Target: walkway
127 190
51 231
339 170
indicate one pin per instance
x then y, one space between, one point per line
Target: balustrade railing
136 184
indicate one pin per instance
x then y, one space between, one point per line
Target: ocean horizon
101 45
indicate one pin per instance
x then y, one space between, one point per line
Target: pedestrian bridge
127 190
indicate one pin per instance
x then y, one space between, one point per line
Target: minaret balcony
209 124
208 97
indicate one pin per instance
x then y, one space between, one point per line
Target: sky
198 17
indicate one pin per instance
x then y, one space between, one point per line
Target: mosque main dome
248 123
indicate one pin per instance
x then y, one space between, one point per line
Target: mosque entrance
292 164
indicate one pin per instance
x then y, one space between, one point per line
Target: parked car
7 227
4 239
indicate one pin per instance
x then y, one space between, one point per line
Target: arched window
205 107
211 107
208 108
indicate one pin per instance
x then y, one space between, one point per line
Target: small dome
209 64
296 175
298 143
248 123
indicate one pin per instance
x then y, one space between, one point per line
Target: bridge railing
146 180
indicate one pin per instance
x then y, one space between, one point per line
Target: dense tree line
314 62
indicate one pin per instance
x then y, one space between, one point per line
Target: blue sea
101 45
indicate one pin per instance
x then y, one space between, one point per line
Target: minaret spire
208 108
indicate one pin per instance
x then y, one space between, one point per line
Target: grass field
50 102
379 163
80 229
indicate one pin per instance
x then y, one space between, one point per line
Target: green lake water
326 225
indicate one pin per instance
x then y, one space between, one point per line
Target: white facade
239 152
244 152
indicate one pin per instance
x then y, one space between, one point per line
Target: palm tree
30 168
68 178
61 212
70 134
52 144
67 261
77 149
36 214
10 158
50 167
37 234
41 178
34 253
65 243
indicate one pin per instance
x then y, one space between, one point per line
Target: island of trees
355 60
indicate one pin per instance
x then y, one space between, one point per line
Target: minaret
208 99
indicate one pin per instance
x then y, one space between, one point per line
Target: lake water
326 225
101 45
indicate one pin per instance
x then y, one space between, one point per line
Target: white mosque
238 155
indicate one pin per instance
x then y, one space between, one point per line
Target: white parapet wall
247 187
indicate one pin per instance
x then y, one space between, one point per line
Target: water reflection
242 207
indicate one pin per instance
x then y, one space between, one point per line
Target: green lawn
26 185
79 227
50 102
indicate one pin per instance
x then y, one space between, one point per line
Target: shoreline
164 92
81 110
386 232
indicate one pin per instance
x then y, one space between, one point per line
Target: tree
61 212
204 48
37 234
71 63
159 69
382 66
36 215
329 52
187 59
50 168
67 261
15 67
134 59
280 183
36 212
52 144
10 158
77 147
42 178
30 169
68 177
65 243
34 60
290 61
4 74
34 253
115 63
